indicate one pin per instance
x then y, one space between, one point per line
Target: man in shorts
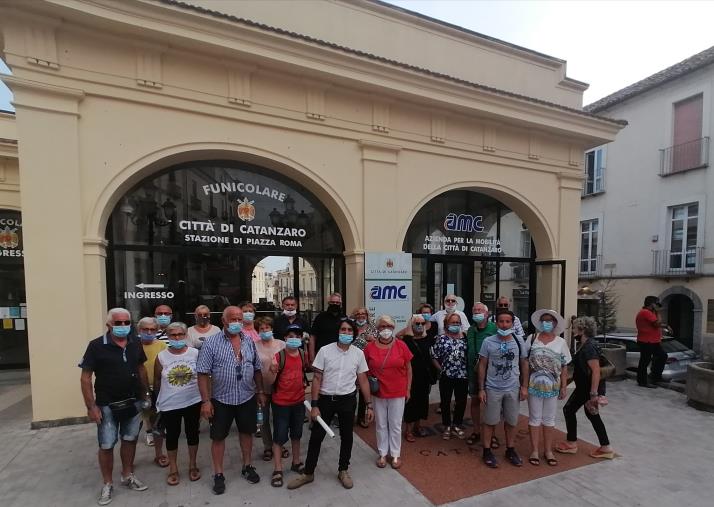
503 384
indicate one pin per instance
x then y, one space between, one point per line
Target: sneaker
250 474
447 434
344 477
219 484
513 457
489 459
301 481
133 483
106 496
149 439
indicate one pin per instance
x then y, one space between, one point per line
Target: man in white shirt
450 303
337 368
504 304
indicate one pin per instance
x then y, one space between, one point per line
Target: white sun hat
560 321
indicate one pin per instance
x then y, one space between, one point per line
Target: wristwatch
593 395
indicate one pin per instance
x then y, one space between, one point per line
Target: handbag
123 409
374 381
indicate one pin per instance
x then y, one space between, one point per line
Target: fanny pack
123 409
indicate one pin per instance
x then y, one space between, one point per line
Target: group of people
166 374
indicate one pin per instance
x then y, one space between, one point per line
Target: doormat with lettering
449 470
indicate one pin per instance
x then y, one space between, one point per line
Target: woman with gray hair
389 362
586 375
178 398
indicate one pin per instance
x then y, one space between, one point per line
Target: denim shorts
287 419
109 430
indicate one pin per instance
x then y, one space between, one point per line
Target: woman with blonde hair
389 361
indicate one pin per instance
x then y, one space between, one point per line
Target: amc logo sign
388 292
463 223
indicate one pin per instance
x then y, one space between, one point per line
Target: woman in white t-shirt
203 328
178 398
548 357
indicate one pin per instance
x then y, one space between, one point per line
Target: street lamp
589 291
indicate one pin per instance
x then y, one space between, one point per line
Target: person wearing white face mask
249 329
289 317
389 361
450 306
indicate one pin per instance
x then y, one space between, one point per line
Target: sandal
534 460
276 480
458 432
409 437
551 460
396 463
565 448
473 438
381 462
495 443
194 474
172 479
161 461
267 455
298 467
597 453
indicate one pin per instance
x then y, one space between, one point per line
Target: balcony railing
685 156
668 263
590 268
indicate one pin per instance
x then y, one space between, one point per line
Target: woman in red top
287 401
389 360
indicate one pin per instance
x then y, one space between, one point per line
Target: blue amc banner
388 285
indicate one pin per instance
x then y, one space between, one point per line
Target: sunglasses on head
122 322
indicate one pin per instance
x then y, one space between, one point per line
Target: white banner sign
388 285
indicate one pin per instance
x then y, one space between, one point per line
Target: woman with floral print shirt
449 355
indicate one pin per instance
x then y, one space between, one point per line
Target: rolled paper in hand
321 421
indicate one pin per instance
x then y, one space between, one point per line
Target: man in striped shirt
229 369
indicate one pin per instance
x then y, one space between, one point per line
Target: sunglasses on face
239 371
450 300
122 322
203 315
503 306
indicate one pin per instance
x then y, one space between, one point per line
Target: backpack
281 366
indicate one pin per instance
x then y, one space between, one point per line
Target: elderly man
289 317
229 368
163 315
503 304
120 385
325 326
477 333
450 302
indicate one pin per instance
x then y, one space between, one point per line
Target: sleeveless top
179 382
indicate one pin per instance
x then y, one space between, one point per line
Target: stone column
354 278
568 244
47 124
381 193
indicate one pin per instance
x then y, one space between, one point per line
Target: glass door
451 277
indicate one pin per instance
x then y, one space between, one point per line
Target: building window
683 236
594 171
687 134
588 246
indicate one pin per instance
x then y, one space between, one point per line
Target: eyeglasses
122 322
450 301
203 315
177 335
162 313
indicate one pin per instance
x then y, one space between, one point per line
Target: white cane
327 429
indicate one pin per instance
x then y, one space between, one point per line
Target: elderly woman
203 327
449 355
423 376
178 398
366 332
248 324
548 357
586 374
389 360
267 348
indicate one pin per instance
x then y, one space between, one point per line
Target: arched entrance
196 232
680 317
14 351
475 246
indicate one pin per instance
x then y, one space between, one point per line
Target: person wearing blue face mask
148 328
337 368
229 368
163 315
548 357
249 328
366 333
481 329
289 367
267 347
178 398
503 384
116 361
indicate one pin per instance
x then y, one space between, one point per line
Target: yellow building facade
337 127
